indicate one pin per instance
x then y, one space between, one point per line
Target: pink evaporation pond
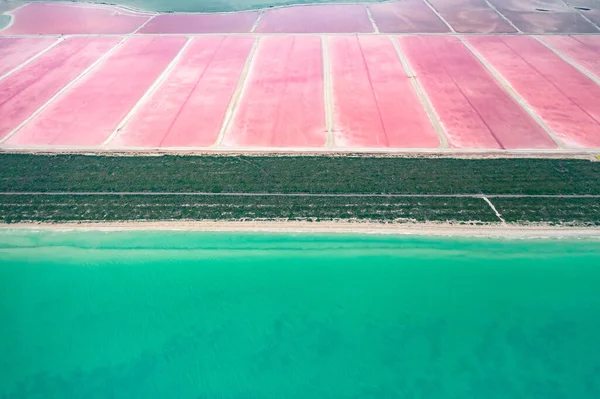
472 106
331 18
472 16
579 49
563 97
375 104
549 16
408 16
15 51
237 22
89 111
55 19
282 104
28 88
188 108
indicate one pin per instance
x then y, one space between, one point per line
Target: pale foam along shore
343 227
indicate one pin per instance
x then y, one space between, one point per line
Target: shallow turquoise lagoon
249 316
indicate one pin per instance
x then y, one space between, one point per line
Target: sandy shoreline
429 229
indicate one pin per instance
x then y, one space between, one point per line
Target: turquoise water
207 315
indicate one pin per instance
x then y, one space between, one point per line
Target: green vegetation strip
297 174
554 211
62 208
275 188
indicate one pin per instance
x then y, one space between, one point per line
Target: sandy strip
563 153
420 229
